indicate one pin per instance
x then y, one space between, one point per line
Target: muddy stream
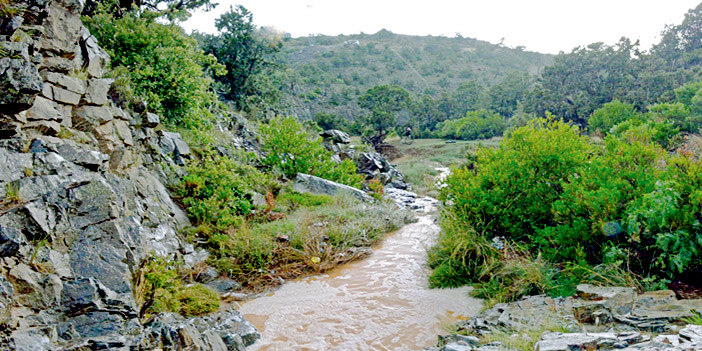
379 303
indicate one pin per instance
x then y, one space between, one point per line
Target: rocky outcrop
371 164
598 318
83 200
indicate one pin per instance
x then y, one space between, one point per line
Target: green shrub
511 189
292 200
316 235
197 300
291 150
622 211
611 114
159 63
218 190
480 124
159 288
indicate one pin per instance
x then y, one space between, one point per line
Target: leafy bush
476 125
622 211
511 189
218 190
159 63
291 150
611 114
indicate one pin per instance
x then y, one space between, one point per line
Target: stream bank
382 302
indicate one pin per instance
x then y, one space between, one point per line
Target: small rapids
382 302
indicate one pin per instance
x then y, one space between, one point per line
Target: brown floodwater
379 303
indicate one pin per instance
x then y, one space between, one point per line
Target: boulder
372 163
65 96
88 118
592 312
96 92
306 183
207 275
336 136
223 285
44 109
95 59
13 165
10 241
72 84
692 333
172 145
51 128
226 330
150 120
20 83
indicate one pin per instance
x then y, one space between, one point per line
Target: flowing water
380 303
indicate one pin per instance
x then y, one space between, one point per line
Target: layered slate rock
83 201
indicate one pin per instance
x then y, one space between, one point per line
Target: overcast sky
547 26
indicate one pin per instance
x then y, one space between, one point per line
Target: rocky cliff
82 200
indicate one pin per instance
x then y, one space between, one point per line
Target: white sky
547 26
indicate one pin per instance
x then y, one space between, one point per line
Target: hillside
328 73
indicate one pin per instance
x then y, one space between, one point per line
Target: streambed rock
598 318
306 183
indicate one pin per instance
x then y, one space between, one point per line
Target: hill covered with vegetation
327 74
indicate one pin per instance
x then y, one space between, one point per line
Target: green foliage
12 193
159 63
159 288
506 95
170 9
328 121
512 188
611 114
449 76
579 82
480 124
196 300
622 211
314 234
293 200
8 9
244 52
290 149
218 191
384 102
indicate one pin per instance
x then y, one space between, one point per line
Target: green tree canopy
383 101
243 51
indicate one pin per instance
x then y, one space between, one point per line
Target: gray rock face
79 209
172 144
95 57
20 83
306 183
226 330
150 120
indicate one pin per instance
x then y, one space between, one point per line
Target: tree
242 51
505 96
173 10
611 114
383 101
680 45
158 63
580 82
